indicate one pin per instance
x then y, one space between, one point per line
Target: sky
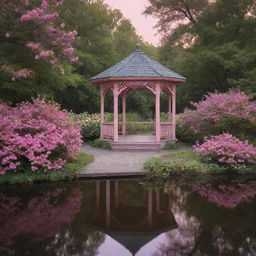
133 9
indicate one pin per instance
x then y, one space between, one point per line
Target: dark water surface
129 217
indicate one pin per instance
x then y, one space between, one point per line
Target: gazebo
138 72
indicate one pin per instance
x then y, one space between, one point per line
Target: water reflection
125 217
132 225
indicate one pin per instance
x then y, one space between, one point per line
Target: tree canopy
213 48
51 48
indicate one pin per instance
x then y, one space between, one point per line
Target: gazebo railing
138 127
108 130
166 130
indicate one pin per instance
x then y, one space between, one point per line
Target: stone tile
108 162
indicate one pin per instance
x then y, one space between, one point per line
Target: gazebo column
102 99
169 107
115 91
174 112
157 114
124 113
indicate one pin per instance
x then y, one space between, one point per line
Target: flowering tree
36 135
34 29
213 108
226 149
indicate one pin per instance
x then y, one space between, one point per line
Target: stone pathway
111 163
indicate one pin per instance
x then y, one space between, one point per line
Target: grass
171 145
180 164
186 155
187 164
68 172
100 144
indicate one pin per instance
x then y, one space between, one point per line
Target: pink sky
133 9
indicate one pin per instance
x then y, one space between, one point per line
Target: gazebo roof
138 65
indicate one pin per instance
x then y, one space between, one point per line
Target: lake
126 217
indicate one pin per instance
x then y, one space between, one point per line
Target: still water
129 217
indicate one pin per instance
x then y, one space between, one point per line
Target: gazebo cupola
137 72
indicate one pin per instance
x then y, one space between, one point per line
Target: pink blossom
59 3
68 51
33 131
53 62
7 35
33 45
226 149
62 25
50 16
44 5
74 59
214 107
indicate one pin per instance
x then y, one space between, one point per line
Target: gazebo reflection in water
132 224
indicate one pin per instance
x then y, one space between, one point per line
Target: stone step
136 146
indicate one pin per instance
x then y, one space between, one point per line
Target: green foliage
183 134
171 145
213 49
104 38
243 129
90 132
100 144
69 171
186 164
89 124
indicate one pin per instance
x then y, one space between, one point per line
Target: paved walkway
111 163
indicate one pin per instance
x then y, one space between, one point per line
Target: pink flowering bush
227 150
232 112
35 26
36 136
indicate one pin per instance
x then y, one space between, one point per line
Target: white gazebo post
124 113
174 112
102 111
115 92
157 114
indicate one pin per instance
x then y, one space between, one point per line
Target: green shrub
184 134
89 124
180 164
171 145
100 144
243 129
68 171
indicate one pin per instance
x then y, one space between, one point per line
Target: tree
175 11
216 52
35 49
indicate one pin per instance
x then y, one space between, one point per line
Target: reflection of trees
206 229
227 195
181 241
56 221
48 220
67 243
42 216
